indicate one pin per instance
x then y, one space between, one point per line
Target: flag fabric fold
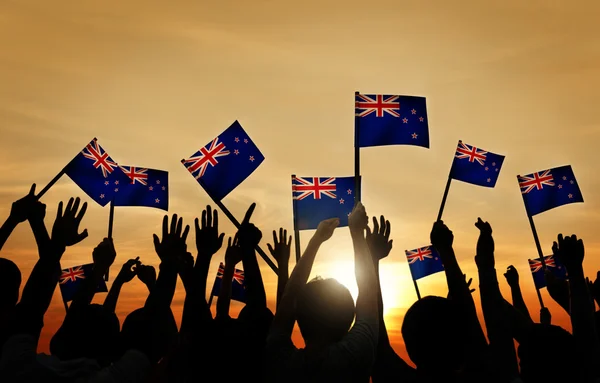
391 120
238 284
93 171
225 162
547 189
475 165
423 262
552 264
318 198
72 278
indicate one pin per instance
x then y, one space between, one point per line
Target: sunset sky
154 81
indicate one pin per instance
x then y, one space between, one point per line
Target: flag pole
210 300
237 225
111 218
66 306
443 205
357 191
417 289
51 183
537 245
296 231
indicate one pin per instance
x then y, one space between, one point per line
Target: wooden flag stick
439 216
210 299
51 183
417 289
111 218
296 231
357 190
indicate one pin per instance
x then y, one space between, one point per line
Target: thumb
82 236
270 248
156 242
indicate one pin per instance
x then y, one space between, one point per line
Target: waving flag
72 278
391 120
93 171
238 284
225 162
547 189
552 264
141 187
476 166
318 198
423 262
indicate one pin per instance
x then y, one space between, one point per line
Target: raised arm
19 212
281 250
249 236
494 312
283 323
128 271
233 256
512 277
388 365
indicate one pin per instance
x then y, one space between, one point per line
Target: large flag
424 261
552 264
318 198
72 278
141 187
93 171
225 162
476 166
238 284
547 189
391 120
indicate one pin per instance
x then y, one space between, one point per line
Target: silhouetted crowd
345 341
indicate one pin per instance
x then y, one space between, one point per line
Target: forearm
366 278
518 301
40 233
256 296
6 230
162 293
224 301
384 340
582 314
284 316
497 323
110 303
282 280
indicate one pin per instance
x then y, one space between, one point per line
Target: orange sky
154 82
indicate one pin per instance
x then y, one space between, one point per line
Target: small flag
423 262
391 120
92 170
238 284
548 189
552 264
72 278
225 162
476 166
141 187
320 198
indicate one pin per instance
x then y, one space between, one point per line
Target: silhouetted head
435 334
92 332
10 282
149 333
324 310
540 342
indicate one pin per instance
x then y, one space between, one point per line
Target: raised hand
595 288
441 236
469 283
281 248
184 263
378 240
326 228
23 208
173 240
208 239
104 255
569 251
249 235
485 245
66 226
233 254
146 274
358 221
558 290
512 276
129 270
